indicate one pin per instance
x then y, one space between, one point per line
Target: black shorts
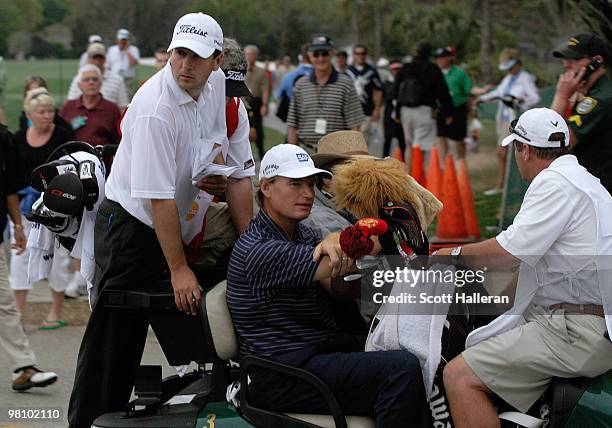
457 130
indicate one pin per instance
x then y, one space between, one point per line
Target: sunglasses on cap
555 136
322 53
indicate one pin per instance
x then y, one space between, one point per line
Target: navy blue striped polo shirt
275 305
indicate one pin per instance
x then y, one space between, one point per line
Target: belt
582 309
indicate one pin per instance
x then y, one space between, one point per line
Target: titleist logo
235 75
191 29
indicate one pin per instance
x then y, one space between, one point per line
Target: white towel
414 327
41 242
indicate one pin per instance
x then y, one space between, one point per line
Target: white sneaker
492 192
76 287
30 377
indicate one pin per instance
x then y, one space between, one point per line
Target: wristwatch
455 253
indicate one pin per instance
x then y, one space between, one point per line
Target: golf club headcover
356 241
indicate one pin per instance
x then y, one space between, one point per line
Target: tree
18 15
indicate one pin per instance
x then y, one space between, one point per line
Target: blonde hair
508 54
37 97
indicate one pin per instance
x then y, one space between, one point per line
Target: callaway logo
554 123
58 192
191 29
521 131
234 75
248 164
302 157
269 169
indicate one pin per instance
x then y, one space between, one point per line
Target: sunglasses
317 54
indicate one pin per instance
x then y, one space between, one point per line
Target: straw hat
341 145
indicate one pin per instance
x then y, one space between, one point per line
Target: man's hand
263 110
569 83
187 292
213 184
376 115
20 240
330 246
448 120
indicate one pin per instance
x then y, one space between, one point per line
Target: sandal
51 324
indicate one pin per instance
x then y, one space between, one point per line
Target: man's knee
403 364
458 375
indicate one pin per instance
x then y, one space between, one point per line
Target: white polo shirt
555 233
239 154
118 61
163 130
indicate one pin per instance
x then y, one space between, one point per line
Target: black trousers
386 385
128 257
392 129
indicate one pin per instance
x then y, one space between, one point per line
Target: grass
59 74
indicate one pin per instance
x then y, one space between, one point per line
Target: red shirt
96 126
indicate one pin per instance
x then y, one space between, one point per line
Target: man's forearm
560 104
12 207
239 195
378 98
168 231
292 137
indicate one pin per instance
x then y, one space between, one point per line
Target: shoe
29 377
77 287
51 325
492 192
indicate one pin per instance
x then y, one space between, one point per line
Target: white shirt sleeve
543 217
531 96
122 95
74 91
153 161
495 93
239 153
135 52
218 133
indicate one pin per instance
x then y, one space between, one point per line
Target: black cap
235 85
583 45
320 42
442 52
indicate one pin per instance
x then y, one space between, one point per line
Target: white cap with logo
199 33
539 127
288 160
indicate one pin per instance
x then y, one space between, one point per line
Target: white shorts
60 274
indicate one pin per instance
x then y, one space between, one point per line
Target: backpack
282 111
411 88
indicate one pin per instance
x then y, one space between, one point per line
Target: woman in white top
514 94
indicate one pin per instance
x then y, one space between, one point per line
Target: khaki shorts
502 129
419 126
219 235
519 364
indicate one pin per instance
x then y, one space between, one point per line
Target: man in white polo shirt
561 320
123 57
175 119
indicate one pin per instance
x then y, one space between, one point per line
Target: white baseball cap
94 38
123 34
539 127
199 33
288 160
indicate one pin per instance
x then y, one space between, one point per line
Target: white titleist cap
199 33
288 160
539 127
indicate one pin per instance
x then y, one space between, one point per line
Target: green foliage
54 11
18 15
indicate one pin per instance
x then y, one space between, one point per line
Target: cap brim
568 53
507 65
235 88
198 48
510 138
304 172
320 48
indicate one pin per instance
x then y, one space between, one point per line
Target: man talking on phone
584 98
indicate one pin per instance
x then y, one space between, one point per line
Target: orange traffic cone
434 174
397 154
416 167
467 200
451 222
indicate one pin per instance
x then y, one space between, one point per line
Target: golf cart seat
219 324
